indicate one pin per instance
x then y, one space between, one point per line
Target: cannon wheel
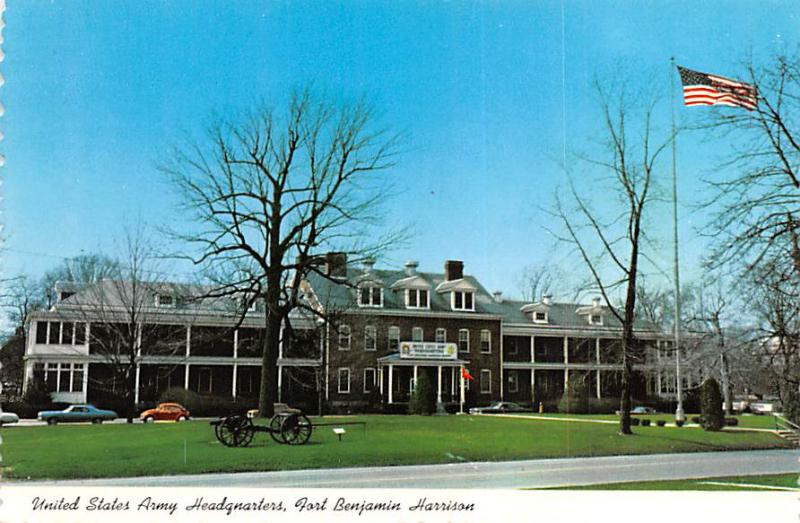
275 428
235 431
296 429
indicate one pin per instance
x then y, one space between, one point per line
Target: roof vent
596 301
498 296
546 299
368 263
411 267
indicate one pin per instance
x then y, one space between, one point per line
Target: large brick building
382 329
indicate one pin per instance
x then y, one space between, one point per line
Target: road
507 474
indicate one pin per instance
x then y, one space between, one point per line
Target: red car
165 412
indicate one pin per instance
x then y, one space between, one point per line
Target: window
165 300
486 341
540 317
595 319
463 301
417 299
370 337
370 296
67 333
54 333
64 373
513 348
77 377
394 339
65 295
513 381
441 335
344 337
41 332
416 334
344 381
463 340
486 381
51 377
204 381
80 333
369 380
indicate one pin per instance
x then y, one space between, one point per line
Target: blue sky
490 95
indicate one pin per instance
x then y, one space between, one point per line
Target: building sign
428 350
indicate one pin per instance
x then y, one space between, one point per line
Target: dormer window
165 300
539 317
417 299
595 319
463 301
65 294
370 296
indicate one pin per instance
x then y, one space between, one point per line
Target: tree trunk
726 387
268 392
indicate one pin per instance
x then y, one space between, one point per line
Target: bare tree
271 194
610 246
758 200
537 280
23 295
120 310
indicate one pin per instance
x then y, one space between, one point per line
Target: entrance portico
399 373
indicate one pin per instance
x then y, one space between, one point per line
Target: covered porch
397 376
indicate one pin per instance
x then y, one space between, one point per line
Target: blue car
76 413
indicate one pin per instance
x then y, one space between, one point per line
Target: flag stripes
709 89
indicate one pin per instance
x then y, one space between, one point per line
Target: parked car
76 413
165 412
643 410
765 407
499 408
7 417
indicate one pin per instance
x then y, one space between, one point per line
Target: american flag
709 89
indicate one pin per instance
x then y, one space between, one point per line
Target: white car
7 417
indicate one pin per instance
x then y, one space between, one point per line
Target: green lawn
745 421
111 450
736 483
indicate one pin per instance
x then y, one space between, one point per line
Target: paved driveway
508 474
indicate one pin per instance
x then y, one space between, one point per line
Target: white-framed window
77 377
344 337
418 299
513 381
370 380
370 296
370 337
394 338
539 317
486 341
205 379
441 335
344 380
63 333
62 377
595 319
165 300
416 334
513 348
463 340
486 381
463 301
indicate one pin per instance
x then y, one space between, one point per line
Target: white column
598 383
188 353
380 370
415 376
533 385
280 381
136 383
566 350
186 377
597 349
233 381
452 383
461 380
85 381
236 343
391 389
533 347
439 387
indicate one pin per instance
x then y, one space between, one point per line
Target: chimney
337 264
368 263
411 267
498 296
453 270
596 301
546 298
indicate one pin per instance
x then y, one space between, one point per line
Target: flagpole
679 414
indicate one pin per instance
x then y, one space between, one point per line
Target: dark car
499 407
165 412
75 413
